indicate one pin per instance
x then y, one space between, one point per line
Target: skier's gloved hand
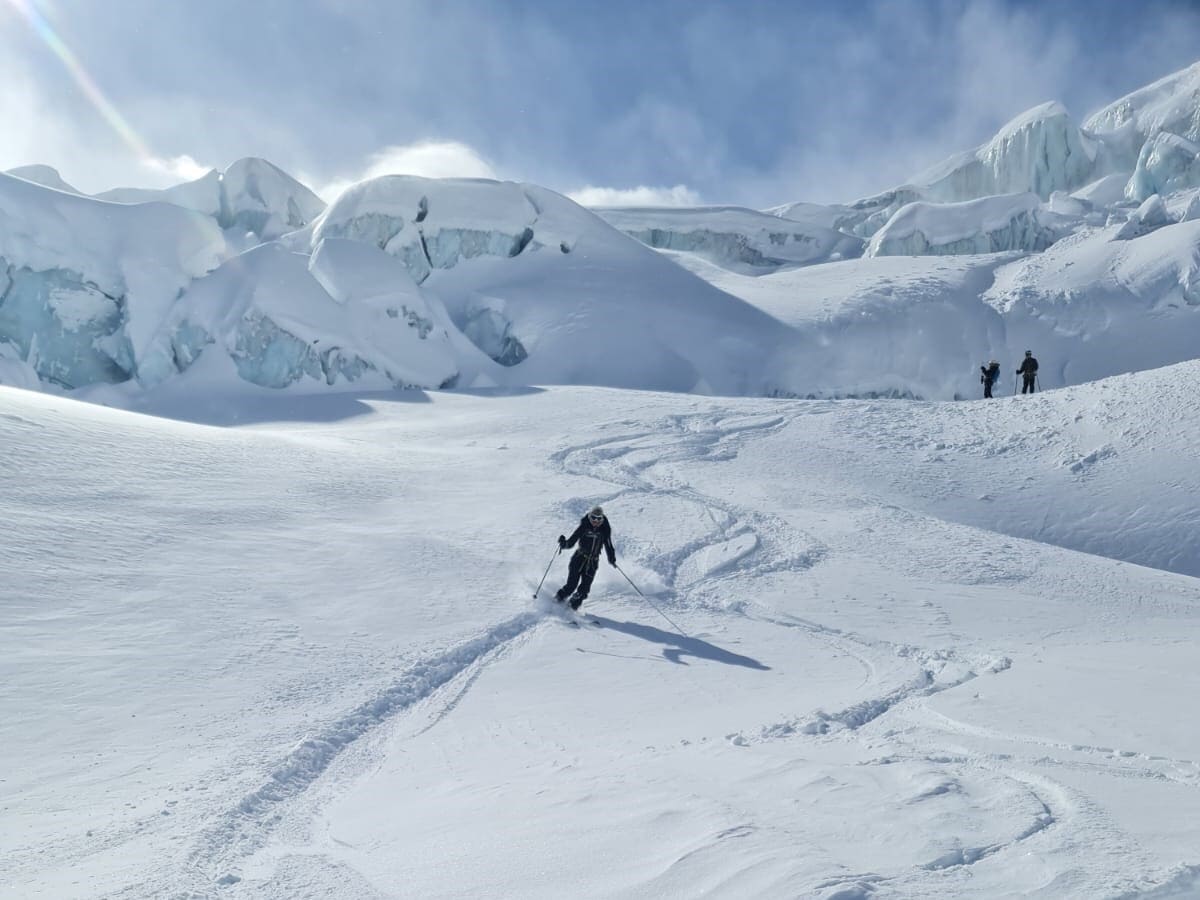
562 542
612 559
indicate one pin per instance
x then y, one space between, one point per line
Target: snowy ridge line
244 828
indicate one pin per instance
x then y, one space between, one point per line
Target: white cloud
182 167
680 195
429 159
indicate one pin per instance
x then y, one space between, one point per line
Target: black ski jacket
592 539
1028 366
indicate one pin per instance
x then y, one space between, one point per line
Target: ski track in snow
244 829
741 545
744 544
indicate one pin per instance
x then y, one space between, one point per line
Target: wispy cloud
181 167
429 159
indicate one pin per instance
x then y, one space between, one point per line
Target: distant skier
1028 371
593 535
988 376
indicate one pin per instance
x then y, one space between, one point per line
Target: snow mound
986 225
251 195
734 237
1104 191
47 176
261 198
1148 217
470 218
202 195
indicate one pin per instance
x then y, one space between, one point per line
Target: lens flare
38 22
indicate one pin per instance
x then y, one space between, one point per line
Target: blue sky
754 103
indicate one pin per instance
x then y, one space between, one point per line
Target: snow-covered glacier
402 282
741 239
1169 106
84 283
986 225
1040 151
1143 144
346 314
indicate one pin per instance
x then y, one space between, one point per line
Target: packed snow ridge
244 277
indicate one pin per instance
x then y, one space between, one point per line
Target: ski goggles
594 517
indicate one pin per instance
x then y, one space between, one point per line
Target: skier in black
592 535
1029 372
990 373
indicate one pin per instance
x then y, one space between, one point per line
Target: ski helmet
596 513
1029 353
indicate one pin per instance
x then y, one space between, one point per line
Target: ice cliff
84 283
1040 151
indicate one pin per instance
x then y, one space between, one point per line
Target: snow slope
898 648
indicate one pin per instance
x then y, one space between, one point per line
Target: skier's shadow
678 646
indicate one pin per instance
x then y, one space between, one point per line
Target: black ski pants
987 390
1027 383
580 576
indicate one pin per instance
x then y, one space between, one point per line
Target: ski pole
543 581
651 602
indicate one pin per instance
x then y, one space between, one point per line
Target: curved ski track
747 544
1067 822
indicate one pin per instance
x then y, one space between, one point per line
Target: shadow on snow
678 646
